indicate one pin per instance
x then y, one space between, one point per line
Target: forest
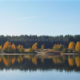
14 44
48 41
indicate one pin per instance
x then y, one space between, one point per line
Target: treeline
11 48
48 41
72 47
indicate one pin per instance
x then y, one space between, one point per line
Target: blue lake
38 75
33 68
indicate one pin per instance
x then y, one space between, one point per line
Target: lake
31 67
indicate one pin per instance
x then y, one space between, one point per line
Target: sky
39 17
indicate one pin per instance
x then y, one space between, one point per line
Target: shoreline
42 53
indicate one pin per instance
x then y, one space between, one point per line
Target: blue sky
39 17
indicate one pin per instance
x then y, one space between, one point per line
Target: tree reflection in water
30 62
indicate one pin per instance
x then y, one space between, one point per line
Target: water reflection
30 62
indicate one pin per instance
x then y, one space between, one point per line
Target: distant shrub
58 47
28 50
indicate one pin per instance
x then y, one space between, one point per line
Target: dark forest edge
26 44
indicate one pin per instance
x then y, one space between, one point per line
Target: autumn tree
34 60
71 61
7 46
13 60
34 46
20 48
13 46
77 47
58 47
19 59
71 46
0 48
77 61
5 61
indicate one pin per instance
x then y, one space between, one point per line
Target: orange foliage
13 60
0 48
20 48
77 61
34 46
77 47
57 47
19 59
6 62
13 46
71 46
57 60
8 47
7 44
0 59
34 60
71 62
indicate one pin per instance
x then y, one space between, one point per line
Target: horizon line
40 35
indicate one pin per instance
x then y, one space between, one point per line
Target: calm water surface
36 68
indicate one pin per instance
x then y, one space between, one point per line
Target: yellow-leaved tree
20 48
71 46
34 46
77 47
7 46
71 61
58 47
0 48
13 46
